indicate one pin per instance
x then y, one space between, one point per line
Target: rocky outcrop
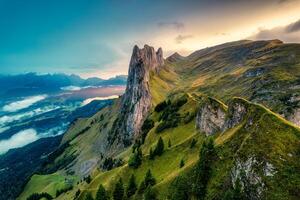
254 72
210 118
249 174
136 102
237 109
213 116
295 117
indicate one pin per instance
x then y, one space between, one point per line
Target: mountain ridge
198 98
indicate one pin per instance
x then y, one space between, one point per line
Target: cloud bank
181 38
89 100
25 103
20 139
289 33
11 118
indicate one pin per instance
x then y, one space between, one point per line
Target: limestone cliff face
214 117
210 117
237 110
136 102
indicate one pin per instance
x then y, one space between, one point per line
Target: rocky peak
175 57
146 56
136 102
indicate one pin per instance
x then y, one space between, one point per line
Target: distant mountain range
32 83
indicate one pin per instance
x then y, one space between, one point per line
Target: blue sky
95 37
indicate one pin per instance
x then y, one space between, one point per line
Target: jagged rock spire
147 56
136 102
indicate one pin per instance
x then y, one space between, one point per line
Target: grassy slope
180 138
214 72
47 183
221 71
270 138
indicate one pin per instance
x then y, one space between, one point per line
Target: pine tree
151 154
150 194
118 193
89 196
181 164
132 187
169 143
180 188
203 169
136 159
149 179
159 149
101 193
193 143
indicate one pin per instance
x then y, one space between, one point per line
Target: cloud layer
89 100
11 118
289 33
20 139
25 103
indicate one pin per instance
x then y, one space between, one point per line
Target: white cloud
2 129
55 131
71 88
89 100
20 139
11 118
77 88
25 103
288 33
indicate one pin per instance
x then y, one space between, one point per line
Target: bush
87 179
189 117
38 196
110 163
161 106
181 101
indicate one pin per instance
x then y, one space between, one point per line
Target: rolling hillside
217 144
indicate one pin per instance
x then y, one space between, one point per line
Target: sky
96 37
